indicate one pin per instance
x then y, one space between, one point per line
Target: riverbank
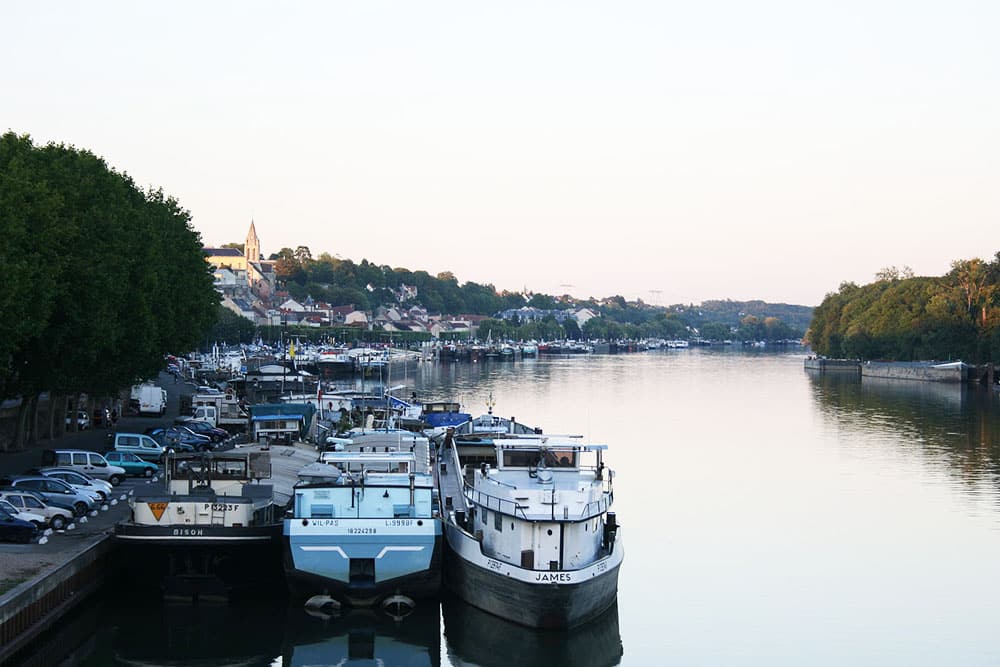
42 582
923 371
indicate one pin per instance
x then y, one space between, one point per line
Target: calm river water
770 517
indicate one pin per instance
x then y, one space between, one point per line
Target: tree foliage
102 278
904 318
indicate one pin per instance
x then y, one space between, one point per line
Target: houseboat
530 535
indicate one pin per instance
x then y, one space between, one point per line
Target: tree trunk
22 433
33 421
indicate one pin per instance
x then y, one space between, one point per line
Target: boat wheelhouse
529 529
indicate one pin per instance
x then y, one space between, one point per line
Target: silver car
56 490
80 481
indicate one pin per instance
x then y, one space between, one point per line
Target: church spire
251 248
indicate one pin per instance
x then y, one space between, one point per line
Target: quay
955 372
823 365
40 583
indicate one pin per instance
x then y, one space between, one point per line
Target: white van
207 413
81 460
152 399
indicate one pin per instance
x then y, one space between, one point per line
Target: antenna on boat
490 403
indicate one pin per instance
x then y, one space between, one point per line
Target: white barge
529 531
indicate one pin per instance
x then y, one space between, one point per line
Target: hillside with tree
366 286
902 317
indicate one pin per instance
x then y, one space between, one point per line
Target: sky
669 151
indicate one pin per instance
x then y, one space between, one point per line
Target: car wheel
24 537
148 472
115 480
58 522
80 507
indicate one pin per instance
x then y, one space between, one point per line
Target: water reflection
364 637
952 424
158 634
474 637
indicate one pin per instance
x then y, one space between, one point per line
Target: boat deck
286 461
449 480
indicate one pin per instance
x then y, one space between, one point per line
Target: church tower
251 249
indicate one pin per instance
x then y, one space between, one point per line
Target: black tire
24 537
115 480
80 507
147 472
58 522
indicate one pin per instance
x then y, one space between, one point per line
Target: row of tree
902 317
101 278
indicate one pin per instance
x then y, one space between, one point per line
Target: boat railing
515 508
496 503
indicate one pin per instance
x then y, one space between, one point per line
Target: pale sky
670 151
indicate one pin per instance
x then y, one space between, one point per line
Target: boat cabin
371 485
542 503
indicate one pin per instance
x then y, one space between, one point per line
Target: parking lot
20 562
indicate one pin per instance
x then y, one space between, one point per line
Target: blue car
16 530
179 439
132 464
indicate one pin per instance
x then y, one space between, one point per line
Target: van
141 445
206 413
151 399
81 460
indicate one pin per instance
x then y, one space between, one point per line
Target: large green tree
101 278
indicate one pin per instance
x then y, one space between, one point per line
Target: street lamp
284 365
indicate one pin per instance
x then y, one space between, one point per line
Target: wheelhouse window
553 458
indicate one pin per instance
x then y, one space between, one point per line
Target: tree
115 277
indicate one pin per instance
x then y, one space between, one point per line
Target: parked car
82 420
204 429
56 490
89 463
143 446
132 464
180 439
24 515
79 481
16 530
57 516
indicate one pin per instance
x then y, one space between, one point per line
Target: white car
96 488
57 517
79 478
24 515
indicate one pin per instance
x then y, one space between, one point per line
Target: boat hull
192 561
534 598
360 562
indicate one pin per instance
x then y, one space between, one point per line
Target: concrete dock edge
30 608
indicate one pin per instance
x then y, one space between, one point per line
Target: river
770 517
